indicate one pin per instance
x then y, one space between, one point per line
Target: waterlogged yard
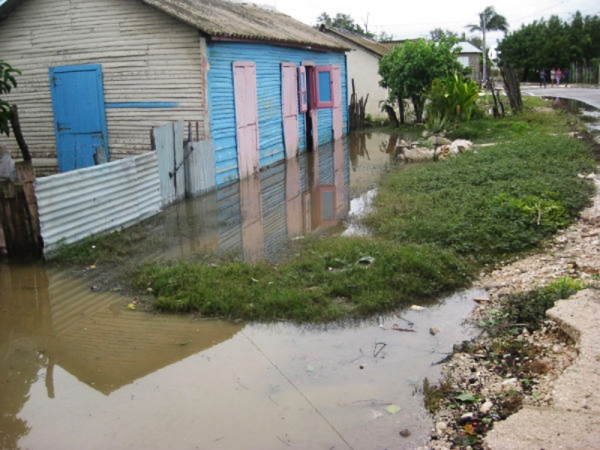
84 366
434 227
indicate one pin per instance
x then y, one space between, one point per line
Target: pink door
289 95
337 103
246 113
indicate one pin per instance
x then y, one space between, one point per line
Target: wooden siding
146 57
268 59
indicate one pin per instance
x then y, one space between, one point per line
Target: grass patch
492 203
112 247
330 279
527 309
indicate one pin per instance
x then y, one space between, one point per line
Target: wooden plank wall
146 56
268 59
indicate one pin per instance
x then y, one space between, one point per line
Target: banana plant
461 96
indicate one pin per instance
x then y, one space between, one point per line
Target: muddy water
79 369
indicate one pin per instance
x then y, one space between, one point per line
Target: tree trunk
16 126
401 110
418 105
392 115
512 87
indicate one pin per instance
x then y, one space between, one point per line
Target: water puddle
79 369
590 115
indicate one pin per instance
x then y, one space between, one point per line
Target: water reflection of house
89 334
257 216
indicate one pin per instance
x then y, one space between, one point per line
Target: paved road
588 95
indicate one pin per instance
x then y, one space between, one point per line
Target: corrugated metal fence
77 204
81 203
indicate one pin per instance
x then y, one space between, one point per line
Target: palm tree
488 20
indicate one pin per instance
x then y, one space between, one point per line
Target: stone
486 407
440 427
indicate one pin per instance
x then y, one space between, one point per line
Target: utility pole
483 18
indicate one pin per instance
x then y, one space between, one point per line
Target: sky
412 19
416 18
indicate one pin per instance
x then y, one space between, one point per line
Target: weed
94 249
435 396
510 405
530 308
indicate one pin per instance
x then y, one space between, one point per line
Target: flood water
589 114
78 369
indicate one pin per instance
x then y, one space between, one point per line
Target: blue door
79 118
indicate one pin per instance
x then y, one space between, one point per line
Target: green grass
435 226
492 203
326 281
111 247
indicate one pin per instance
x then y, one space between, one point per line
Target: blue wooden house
254 86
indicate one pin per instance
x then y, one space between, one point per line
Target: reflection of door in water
293 197
246 113
253 238
289 95
79 117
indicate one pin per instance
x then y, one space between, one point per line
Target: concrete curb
573 421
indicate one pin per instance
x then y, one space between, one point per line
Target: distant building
470 56
363 67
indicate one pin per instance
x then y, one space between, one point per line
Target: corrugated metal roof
467 47
245 21
368 44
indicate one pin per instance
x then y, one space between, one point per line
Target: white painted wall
363 67
146 56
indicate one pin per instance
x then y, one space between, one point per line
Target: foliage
489 19
435 396
409 69
555 43
453 99
344 22
438 34
530 308
7 83
493 203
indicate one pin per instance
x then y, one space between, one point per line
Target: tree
492 21
7 82
384 37
553 43
409 69
343 22
437 34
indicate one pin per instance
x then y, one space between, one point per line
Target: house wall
363 67
268 59
146 57
471 60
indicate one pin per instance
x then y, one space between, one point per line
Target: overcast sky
416 18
